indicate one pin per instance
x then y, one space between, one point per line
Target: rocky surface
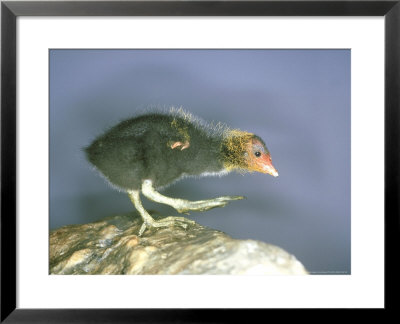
112 246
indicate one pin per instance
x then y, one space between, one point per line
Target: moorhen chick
151 151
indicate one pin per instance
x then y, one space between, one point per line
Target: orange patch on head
259 159
247 152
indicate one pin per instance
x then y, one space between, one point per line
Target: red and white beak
264 163
271 170
259 158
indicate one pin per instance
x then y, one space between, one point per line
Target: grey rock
112 246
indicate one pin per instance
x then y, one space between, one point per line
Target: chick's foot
166 222
183 206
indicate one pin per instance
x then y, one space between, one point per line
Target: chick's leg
182 205
149 221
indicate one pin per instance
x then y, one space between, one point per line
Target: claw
237 197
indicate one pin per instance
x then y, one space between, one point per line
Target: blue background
298 101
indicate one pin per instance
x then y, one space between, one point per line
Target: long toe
227 198
203 205
174 220
167 222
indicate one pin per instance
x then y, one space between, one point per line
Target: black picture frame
10 10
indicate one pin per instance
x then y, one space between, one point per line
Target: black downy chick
151 151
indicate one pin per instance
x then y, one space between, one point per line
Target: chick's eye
257 154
